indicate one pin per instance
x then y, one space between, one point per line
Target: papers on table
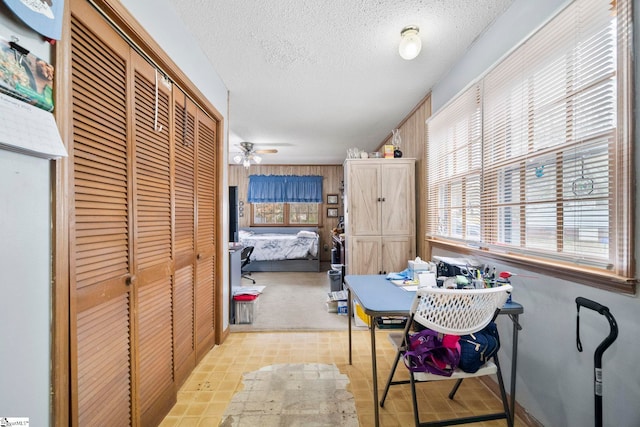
407 285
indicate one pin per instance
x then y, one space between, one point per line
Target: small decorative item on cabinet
396 140
353 153
388 151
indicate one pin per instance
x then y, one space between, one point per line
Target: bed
282 248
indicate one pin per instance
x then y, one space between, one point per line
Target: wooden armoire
380 217
142 230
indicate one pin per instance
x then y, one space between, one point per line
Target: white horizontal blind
553 144
454 162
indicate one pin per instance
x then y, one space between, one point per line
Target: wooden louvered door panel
101 299
205 232
142 231
153 263
184 299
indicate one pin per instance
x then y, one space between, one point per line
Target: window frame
621 209
286 215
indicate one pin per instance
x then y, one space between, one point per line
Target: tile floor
203 398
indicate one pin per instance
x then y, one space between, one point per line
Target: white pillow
305 233
243 234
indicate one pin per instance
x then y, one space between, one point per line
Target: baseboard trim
521 412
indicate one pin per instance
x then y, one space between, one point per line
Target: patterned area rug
304 394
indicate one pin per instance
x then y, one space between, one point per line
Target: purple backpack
432 352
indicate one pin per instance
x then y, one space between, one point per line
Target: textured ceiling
315 77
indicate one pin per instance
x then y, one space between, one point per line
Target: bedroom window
534 162
284 214
285 199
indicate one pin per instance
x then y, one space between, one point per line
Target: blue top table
379 297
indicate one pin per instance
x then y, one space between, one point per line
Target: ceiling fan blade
269 151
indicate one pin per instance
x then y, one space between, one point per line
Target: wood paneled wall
331 184
414 142
413 133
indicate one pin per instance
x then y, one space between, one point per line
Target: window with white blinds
454 162
534 158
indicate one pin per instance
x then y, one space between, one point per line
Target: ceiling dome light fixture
410 43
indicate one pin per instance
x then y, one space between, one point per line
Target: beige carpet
300 394
292 301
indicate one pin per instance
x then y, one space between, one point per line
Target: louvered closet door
153 242
205 232
101 298
183 301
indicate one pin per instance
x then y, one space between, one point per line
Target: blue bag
478 348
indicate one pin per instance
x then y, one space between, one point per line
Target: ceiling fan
249 154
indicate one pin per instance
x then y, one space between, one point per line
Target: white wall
25 287
161 21
25 271
555 381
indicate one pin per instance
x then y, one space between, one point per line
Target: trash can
335 280
245 308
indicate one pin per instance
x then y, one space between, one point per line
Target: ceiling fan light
248 155
410 43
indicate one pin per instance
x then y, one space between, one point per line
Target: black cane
597 357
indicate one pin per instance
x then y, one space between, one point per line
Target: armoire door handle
131 280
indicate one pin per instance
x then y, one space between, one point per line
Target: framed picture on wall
332 199
332 212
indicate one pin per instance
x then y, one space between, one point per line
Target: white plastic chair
454 312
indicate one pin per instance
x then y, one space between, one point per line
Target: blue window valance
285 189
